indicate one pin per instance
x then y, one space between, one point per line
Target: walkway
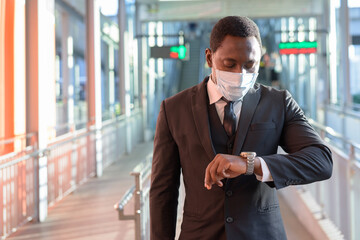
88 214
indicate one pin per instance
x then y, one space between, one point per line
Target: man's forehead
233 46
249 43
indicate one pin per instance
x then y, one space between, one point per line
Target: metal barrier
112 133
71 160
337 140
339 197
17 183
140 193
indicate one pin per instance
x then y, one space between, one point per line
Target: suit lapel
201 117
248 108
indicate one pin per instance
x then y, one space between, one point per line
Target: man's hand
224 166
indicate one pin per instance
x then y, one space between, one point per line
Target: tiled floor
88 212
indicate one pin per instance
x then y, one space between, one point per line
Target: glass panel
354 53
71 104
109 67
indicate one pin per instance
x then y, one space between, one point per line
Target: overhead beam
207 10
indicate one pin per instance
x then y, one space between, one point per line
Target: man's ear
208 55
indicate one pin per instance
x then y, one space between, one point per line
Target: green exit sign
174 52
178 52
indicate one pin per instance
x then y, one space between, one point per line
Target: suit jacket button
229 219
229 193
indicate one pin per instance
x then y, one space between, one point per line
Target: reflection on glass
70 28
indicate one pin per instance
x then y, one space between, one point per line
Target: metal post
137 206
36 184
121 66
352 191
64 66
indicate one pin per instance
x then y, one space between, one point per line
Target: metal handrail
65 141
17 160
141 173
347 110
335 134
120 118
11 140
120 206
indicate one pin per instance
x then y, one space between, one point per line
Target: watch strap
250 162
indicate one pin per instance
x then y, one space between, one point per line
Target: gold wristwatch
250 161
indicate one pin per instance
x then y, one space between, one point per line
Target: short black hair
234 26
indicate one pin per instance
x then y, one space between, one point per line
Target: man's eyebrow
250 60
229 59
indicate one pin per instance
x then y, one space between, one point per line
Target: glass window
354 54
71 104
340 87
109 66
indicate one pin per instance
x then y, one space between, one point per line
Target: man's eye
229 65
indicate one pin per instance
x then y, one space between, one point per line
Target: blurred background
81 82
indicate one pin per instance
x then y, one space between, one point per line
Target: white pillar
19 74
124 84
94 76
344 53
345 201
40 74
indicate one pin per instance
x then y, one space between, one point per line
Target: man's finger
207 181
213 171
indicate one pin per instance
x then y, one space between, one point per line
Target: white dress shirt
215 97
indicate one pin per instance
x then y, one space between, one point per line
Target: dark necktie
229 118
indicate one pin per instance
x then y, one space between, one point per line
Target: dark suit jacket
244 208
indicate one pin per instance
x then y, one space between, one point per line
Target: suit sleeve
308 159
165 181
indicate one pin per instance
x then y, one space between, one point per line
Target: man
202 131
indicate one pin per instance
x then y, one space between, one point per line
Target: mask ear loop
213 79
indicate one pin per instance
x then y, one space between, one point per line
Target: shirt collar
214 94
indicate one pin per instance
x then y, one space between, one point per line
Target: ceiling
185 10
170 10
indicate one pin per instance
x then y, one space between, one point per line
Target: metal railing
71 160
339 197
336 139
17 183
140 193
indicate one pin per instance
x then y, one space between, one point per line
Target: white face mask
234 86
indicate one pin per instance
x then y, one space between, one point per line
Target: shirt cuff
266 177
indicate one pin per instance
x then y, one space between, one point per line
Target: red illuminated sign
297 51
